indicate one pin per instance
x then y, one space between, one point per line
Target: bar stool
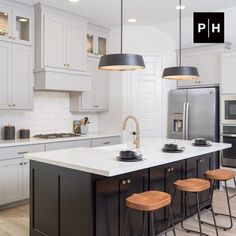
222 175
150 202
196 186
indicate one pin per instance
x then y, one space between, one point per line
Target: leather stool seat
192 185
220 174
148 201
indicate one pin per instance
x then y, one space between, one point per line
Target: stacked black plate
129 156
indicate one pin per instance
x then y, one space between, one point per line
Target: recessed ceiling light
132 20
180 7
73 0
23 20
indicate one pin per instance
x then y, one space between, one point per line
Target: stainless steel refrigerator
193 113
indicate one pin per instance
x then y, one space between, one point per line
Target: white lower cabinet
14 173
11 181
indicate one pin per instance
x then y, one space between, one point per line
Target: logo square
209 27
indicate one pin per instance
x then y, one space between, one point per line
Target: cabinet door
5 23
136 182
228 83
5 76
87 97
110 204
188 59
25 179
196 168
208 66
162 178
76 46
100 99
22 77
54 41
10 180
22 27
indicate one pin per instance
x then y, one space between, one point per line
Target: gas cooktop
56 135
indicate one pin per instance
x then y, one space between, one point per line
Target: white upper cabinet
54 41
16 25
22 78
207 60
60 40
228 70
76 43
5 74
97 40
97 99
16 60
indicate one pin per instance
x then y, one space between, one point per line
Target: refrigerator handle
187 121
184 121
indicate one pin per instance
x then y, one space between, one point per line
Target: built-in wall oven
228 135
228 111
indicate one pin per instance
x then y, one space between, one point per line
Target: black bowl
128 154
171 147
200 141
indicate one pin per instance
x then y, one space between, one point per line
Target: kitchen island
82 191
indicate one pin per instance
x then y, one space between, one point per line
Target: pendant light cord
121 40
180 33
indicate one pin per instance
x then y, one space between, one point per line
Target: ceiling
147 12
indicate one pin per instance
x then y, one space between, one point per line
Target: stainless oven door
229 155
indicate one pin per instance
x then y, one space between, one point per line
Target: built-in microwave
228 111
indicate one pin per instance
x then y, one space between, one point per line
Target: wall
144 40
171 28
51 114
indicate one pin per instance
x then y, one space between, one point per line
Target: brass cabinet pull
68 65
172 169
21 164
25 163
108 142
22 153
13 105
128 181
9 105
169 169
123 182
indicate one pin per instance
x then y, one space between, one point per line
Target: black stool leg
126 221
213 213
229 207
199 213
152 223
143 223
171 220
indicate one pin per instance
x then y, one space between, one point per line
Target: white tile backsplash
51 114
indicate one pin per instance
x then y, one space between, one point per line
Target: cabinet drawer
19 151
70 144
105 141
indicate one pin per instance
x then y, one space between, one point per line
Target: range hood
58 80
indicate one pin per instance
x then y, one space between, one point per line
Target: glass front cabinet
97 40
16 25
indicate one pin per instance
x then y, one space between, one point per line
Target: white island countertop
102 161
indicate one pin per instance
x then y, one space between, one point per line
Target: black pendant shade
180 73
121 62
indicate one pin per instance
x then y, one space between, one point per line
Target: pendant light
180 72
122 61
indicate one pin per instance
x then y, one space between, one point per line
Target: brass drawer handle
123 182
22 153
108 142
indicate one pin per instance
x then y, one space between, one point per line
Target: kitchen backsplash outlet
51 114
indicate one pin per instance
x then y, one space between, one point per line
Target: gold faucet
137 139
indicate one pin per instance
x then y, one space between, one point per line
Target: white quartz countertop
32 141
102 161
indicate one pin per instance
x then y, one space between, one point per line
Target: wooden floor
15 221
